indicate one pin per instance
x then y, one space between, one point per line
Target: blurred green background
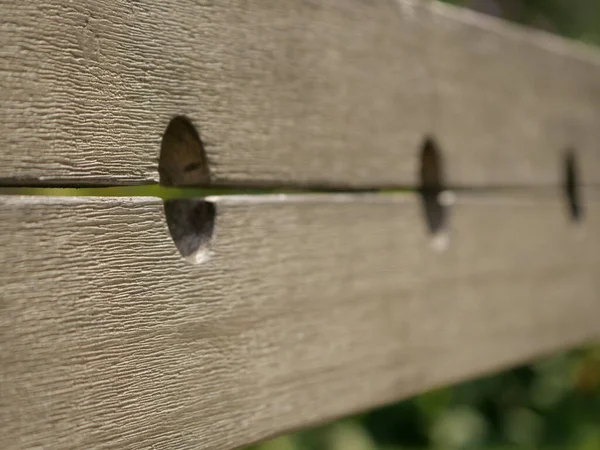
549 404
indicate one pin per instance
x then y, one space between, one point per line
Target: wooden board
284 92
310 307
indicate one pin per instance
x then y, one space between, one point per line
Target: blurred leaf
460 427
524 427
588 438
280 443
349 436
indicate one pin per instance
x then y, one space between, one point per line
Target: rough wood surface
309 308
311 92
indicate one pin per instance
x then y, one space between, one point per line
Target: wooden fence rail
311 92
284 310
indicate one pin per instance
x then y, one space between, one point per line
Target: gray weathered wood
327 92
309 308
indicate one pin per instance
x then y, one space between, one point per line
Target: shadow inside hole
182 160
571 186
432 186
191 223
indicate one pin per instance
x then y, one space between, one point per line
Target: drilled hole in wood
182 160
571 186
433 196
191 223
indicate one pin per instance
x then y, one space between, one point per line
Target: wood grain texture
309 308
287 92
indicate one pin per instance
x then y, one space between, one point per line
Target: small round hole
432 192
571 186
191 222
182 160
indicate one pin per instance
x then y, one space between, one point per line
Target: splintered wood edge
311 94
309 308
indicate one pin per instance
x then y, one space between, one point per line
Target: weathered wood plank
325 92
513 101
309 308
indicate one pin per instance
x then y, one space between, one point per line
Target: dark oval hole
432 185
182 160
191 223
571 186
